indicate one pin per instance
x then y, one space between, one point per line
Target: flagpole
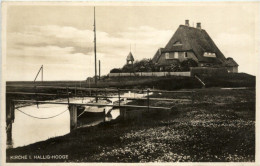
95 49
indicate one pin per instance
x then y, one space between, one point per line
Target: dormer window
209 54
177 43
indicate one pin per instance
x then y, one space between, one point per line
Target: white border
122 3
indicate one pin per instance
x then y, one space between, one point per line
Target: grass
219 126
231 80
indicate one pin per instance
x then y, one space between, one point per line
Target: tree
115 70
145 65
127 68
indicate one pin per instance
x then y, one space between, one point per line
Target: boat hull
92 111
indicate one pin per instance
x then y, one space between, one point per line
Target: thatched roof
157 55
177 48
230 62
130 57
193 39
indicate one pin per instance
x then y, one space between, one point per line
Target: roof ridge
200 29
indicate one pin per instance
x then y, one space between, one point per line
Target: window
167 56
177 43
185 55
175 55
210 54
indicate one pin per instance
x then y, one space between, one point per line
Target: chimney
187 22
199 25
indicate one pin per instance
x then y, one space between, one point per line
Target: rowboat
92 111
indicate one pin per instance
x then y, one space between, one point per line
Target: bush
128 68
145 65
185 65
115 70
173 68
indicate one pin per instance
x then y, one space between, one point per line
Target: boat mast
95 49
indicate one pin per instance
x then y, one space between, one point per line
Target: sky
60 37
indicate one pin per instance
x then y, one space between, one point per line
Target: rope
37 107
81 114
41 117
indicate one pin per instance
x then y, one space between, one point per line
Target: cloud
240 47
70 50
69 47
234 39
53 35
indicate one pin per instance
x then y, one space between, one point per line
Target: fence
150 74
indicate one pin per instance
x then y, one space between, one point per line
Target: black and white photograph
130 82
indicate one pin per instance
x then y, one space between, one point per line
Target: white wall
155 74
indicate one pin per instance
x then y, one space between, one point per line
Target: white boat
90 111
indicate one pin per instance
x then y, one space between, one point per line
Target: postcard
115 83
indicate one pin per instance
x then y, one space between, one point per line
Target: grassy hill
166 83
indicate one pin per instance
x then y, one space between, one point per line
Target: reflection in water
95 120
90 121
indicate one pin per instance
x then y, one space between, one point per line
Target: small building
130 58
190 43
231 65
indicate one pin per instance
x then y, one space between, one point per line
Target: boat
93 111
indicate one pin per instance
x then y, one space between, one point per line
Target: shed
231 65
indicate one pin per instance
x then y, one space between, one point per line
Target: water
28 130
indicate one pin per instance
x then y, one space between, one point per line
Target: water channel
28 129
